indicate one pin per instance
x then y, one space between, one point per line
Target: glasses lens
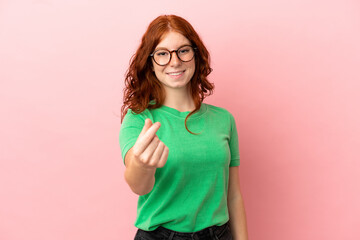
186 53
162 57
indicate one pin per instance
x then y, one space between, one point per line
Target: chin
177 86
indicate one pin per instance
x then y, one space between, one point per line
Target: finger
150 133
157 153
149 151
163 158
143 141
146 126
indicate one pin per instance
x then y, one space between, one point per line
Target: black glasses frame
177 54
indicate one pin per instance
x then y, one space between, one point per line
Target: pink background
287 70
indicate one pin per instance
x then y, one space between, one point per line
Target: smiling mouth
176 73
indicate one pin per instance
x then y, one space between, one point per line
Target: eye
184 50
162 53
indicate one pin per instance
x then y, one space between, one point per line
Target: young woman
181 155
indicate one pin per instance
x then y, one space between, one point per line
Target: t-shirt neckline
184 114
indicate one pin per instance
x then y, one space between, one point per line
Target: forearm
237 216
141 180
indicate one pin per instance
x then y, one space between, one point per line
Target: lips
175 73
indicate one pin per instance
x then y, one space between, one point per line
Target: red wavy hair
141 84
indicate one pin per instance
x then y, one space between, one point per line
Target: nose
174 61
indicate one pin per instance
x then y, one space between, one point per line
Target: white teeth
175 73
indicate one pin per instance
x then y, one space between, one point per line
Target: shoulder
220 117
132 118
219 111
132 114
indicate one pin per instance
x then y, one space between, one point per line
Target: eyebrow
188 44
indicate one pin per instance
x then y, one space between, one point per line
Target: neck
180 100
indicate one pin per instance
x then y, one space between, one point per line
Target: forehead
172 40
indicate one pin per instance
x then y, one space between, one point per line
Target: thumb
147 125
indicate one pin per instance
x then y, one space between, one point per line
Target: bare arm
236 207
143 158
141 180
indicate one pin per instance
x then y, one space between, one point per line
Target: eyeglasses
163 56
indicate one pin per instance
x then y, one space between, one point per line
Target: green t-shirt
190 191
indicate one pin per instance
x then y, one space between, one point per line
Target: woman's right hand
149 151
142 160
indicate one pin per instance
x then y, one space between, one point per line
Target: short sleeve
234 144
129 131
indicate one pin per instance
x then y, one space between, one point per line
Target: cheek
158 70
192 66
160 75
155 67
